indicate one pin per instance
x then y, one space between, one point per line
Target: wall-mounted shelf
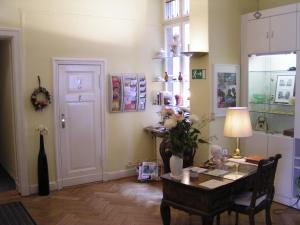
187 54
191 53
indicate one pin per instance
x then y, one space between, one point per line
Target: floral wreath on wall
40 98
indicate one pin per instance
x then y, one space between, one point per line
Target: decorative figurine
180 78
166 76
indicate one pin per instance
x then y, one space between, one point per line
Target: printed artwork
130 93
226 90
142 93
116 94
285 88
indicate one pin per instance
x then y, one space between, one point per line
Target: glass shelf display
271 91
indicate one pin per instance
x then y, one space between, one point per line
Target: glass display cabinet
271 92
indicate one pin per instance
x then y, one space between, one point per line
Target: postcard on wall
130 93
142 92
116 93
226 87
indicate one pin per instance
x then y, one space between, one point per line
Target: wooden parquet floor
122 202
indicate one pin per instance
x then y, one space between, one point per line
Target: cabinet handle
63 121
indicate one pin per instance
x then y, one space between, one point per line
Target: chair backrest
264 180
165 153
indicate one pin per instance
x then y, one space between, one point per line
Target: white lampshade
237 122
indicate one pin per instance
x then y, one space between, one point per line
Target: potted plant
183 135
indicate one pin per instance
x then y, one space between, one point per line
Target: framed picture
226 87
284 88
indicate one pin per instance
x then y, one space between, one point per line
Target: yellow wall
224 48
125 33
7 150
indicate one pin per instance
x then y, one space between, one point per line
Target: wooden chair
261 197
165 153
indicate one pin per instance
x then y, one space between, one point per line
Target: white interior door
80 128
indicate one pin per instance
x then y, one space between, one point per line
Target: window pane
171 9
186 40
186 7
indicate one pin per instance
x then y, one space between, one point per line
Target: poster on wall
116 93
226 87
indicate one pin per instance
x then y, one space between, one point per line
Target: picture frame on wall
226 87
285 88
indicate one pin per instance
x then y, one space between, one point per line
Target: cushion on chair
244 199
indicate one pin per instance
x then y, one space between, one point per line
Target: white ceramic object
176 165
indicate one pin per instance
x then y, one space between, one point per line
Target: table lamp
237 124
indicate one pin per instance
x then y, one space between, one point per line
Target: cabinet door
257 144
298 30
284 174
297 106
257 36
283 33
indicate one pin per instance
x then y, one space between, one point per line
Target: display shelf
275 113
165 57
290 72
273 104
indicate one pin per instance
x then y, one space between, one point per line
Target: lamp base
237 153
237 156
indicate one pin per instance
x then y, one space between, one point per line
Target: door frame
103 99
19 132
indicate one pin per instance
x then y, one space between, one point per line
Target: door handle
63 121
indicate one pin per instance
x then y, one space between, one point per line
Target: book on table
254 159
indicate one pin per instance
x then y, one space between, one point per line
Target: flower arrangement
183 134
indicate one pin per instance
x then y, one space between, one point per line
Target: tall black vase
43 177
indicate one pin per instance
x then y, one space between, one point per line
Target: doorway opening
13 158
8 172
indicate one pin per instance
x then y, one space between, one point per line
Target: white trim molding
103 110
114 175
34 189
14 35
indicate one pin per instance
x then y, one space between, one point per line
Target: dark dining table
207 193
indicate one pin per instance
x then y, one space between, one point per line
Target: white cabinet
297 107
258 35
284 180
257 144
267 145
283 33
298 30
272 34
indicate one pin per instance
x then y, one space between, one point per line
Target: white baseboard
283 200
34 188
114 175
